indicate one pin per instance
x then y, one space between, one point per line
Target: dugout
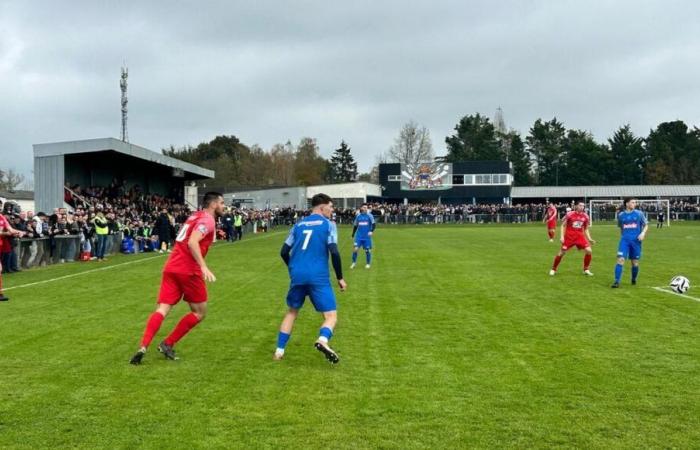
96 162
464 182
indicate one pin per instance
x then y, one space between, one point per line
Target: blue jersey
364 223
309 240
631 223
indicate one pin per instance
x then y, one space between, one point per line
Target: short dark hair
320 199
210 197
626 200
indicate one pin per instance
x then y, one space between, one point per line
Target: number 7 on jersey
307 237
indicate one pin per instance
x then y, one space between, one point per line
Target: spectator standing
162 228
227 221
102 232
238 224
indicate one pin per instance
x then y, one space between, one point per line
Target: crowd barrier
45 251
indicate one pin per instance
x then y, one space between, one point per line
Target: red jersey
551 214
5 241
181 259
576 223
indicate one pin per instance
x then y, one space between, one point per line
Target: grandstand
97 162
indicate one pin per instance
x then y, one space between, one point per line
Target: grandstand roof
605 191
105 144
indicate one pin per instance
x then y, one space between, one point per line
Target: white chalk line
64 277
689 297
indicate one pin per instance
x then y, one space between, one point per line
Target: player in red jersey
6 233
575 233
183 277
550 218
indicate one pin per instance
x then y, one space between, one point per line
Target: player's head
580 206
322 204
630 203
214 201
363 209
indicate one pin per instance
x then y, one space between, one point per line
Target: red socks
183 326
0 284
557 260
551 234
587 261
152 327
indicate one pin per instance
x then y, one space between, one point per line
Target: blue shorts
629 249
365 243
321 295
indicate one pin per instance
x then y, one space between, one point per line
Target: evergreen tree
343 167
546 143
474 140
627 157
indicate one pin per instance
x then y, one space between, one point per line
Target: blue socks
354 257
325 334
618 272
282 339
368 254
635 272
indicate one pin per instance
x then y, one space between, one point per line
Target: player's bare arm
643 234
563 231
193 245
588 236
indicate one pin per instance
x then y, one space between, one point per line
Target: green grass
455 338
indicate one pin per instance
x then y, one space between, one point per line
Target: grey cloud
272 71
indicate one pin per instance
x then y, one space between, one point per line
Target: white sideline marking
82 273
660 289
116 265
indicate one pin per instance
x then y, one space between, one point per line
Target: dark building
448 183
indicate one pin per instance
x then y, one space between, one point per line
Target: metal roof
605 191
104 144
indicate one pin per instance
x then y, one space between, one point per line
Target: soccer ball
680 284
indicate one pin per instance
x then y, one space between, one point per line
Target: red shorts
177 286
579 242
552 225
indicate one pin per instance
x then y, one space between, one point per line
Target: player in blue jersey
362 231
633 228
305 251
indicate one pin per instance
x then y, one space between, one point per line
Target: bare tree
9 180
412 146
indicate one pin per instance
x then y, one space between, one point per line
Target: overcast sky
270 72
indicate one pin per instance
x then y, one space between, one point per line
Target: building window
457 179
394 178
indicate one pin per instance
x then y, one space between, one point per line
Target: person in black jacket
162 228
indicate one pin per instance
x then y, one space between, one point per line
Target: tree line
549 155
238 165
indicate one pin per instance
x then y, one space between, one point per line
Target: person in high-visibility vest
101 232
238 225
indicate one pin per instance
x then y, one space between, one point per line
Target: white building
345 195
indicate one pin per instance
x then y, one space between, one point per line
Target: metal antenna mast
499 123
125 101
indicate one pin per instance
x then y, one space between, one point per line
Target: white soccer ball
680 284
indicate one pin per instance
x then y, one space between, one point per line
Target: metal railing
46 251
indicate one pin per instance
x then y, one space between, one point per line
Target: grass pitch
456 337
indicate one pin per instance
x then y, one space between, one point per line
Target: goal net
606 210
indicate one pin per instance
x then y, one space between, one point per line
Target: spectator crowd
103 220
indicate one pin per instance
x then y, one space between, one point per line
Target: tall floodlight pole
125 101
